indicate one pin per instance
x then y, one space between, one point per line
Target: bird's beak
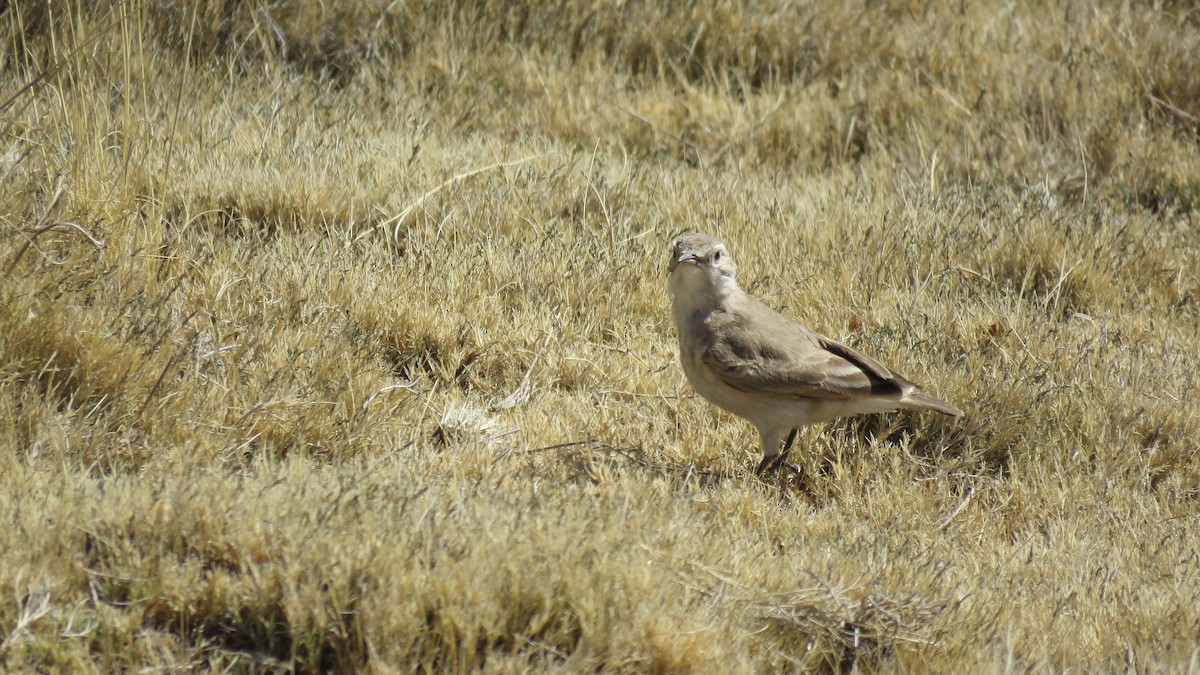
686 256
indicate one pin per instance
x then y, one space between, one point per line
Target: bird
749 359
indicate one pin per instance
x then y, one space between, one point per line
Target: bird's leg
774 462
782 462
787 445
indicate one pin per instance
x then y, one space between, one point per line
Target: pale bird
756 363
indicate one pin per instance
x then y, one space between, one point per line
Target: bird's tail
927 402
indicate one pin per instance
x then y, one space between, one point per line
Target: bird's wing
780 358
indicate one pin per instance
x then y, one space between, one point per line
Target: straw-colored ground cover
334 336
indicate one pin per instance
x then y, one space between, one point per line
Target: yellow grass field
335 336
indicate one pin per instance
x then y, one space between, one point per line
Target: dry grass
272 275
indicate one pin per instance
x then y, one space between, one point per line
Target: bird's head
700 264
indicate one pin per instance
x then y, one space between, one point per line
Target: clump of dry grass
334 338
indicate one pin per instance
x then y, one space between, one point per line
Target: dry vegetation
334 335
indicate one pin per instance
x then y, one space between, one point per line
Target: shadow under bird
756 363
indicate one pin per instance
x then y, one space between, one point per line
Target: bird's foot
768 464
794 468
773 464
776 465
